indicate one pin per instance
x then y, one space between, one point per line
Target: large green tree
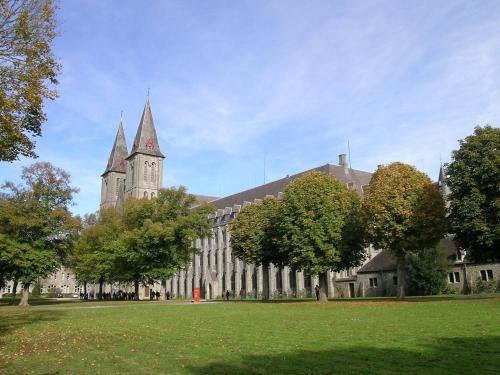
28 73
158 236
402 212
93 259
318 229
254 237
36 228
474 183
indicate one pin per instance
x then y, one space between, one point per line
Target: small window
153 172
484 276
395 280
457 277
489 273
451 278
145 194
373 282
152 195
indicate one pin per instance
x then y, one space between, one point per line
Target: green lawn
364 337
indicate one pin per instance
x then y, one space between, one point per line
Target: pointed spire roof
445 190
146 141
116 161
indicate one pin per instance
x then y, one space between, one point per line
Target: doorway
351 290
146 292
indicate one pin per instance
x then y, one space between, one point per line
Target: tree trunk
265 282
101 282
401 270
136 287
14 291
323 287
84 290
25 295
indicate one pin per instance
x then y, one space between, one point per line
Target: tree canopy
158 235
28 73
36 228
474 199
318 230
402 212
93 257
254 237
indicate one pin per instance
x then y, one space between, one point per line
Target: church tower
145 162
113 178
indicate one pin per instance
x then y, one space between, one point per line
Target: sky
244 92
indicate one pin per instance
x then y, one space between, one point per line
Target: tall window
145 194
293 279
117 185
254 278
244 280
153 172
279 280
145 171
152 195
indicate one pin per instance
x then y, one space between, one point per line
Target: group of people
120 296
154 295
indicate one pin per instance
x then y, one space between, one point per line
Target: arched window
145 171
254 279
117 186
153 172
152 195
145 194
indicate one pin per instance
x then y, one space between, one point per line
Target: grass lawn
364 337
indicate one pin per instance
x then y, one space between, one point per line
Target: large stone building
215 269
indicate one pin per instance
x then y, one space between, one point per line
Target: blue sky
236 82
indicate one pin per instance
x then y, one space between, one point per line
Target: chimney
343 160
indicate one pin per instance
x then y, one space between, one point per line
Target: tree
158 236
28 72
474 183
93 258
402 212
428 270
254 236
36 227
318 230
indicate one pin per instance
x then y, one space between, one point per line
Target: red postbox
196 294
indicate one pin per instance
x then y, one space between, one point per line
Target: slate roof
146 141
384 261
358 178
119 152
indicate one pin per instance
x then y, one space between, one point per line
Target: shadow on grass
373 299
14 318
478 355
39 301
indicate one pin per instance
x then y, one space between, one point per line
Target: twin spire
145 142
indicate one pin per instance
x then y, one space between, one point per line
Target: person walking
228 294
316 289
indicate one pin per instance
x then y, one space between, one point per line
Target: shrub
36 291
427 271
481 286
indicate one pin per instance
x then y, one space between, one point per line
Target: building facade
214 269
